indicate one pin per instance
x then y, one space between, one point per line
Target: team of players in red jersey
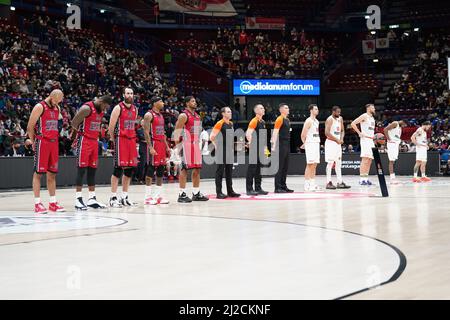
43 132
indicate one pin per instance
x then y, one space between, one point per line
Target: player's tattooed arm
148 118
113 121
182 119
78 119
34 118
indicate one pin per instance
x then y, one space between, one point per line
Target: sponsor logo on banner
368 46
265 23
217 8
276 87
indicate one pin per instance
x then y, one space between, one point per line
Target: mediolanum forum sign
275 87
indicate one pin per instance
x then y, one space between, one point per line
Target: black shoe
233 194
330 186
252 193
199 197
280 191
343 186
262 192
287 190
183 198
221 195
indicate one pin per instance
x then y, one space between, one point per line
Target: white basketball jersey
421 137
313 132
335 129
395 134
368 127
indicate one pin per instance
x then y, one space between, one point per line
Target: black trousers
254 173
283 159
228 169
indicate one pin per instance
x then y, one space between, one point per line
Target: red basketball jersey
193 126
157 131
126 125
92 124
47 126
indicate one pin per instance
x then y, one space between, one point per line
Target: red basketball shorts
125 154
46 155
87 152
159 159
191 156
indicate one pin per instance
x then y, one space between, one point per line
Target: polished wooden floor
353 245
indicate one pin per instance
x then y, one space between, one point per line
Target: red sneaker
425 179
55 207
40 208
416 180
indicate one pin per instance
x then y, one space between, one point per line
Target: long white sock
52 199
307 184
148 191
78 194
392 175
195 190
124 195
313 183
157 191
182 191
91 194
329 170
37 200
338 169
114 194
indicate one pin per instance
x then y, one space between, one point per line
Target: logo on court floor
31 224
302 196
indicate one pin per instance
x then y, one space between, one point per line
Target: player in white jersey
393 134
334 131
311 139
366 134
419 138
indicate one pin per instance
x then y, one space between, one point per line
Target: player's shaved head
56 96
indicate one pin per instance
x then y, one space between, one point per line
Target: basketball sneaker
125 202
94 204
369 183
183 198
39 208
199 197
115 203
342 185
425 179
330 186
416 180
55 207
150 201
363 183
161 200
79 204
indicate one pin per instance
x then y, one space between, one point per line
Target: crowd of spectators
239 53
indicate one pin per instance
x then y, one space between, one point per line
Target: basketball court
350 244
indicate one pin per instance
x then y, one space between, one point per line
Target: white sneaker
307 188
79 204
150 201
94 204
125 202
115 203
162 200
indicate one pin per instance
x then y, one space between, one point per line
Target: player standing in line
187 132
311 139
43 132
419 138
122 132
335 132
366 134
158 149
393 134
86 125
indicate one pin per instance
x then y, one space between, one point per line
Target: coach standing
222 131
281 133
